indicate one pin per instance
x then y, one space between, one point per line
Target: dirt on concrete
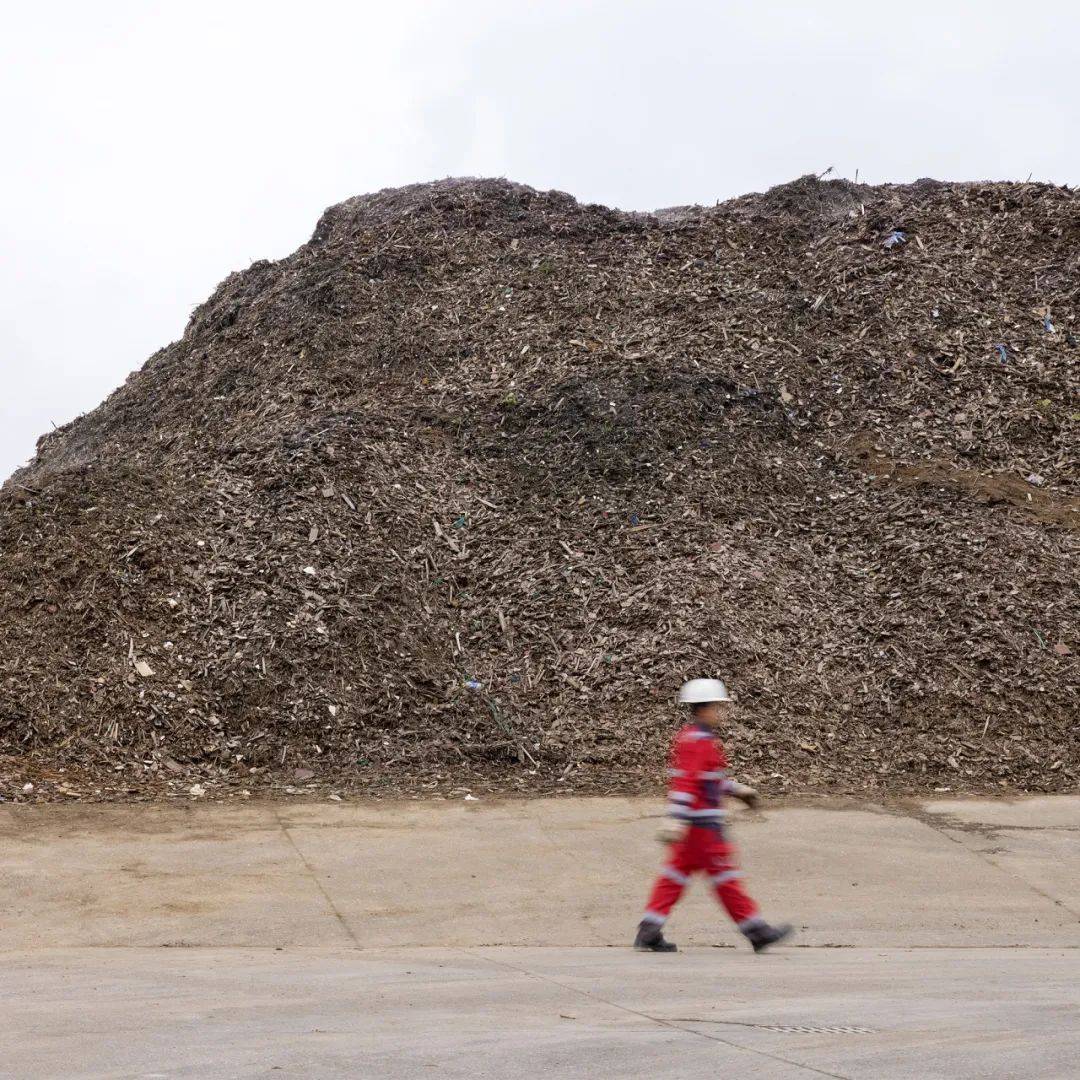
445 873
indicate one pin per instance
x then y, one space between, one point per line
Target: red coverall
698 784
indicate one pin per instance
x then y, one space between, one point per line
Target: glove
744 794
672 831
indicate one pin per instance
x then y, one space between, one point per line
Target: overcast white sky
150 148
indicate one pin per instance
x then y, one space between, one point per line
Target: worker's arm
743 792
682 790
685 777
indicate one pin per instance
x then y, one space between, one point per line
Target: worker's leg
726 877
671 883
683 860
723 870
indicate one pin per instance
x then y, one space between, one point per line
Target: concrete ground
398 940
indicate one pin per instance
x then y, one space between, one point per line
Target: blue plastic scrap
897 236
473 684
1003 353
1048 326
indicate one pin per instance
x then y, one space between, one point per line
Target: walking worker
695 834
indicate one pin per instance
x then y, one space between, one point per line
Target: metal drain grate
825 1029
786 1029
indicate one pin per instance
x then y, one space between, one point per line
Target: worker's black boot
763 935
650 938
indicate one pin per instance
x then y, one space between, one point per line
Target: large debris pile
467 485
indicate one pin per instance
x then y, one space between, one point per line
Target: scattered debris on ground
461 491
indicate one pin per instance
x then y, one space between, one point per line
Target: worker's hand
672 831
744 794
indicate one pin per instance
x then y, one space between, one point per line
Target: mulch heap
454 497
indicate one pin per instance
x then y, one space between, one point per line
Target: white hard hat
699 691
